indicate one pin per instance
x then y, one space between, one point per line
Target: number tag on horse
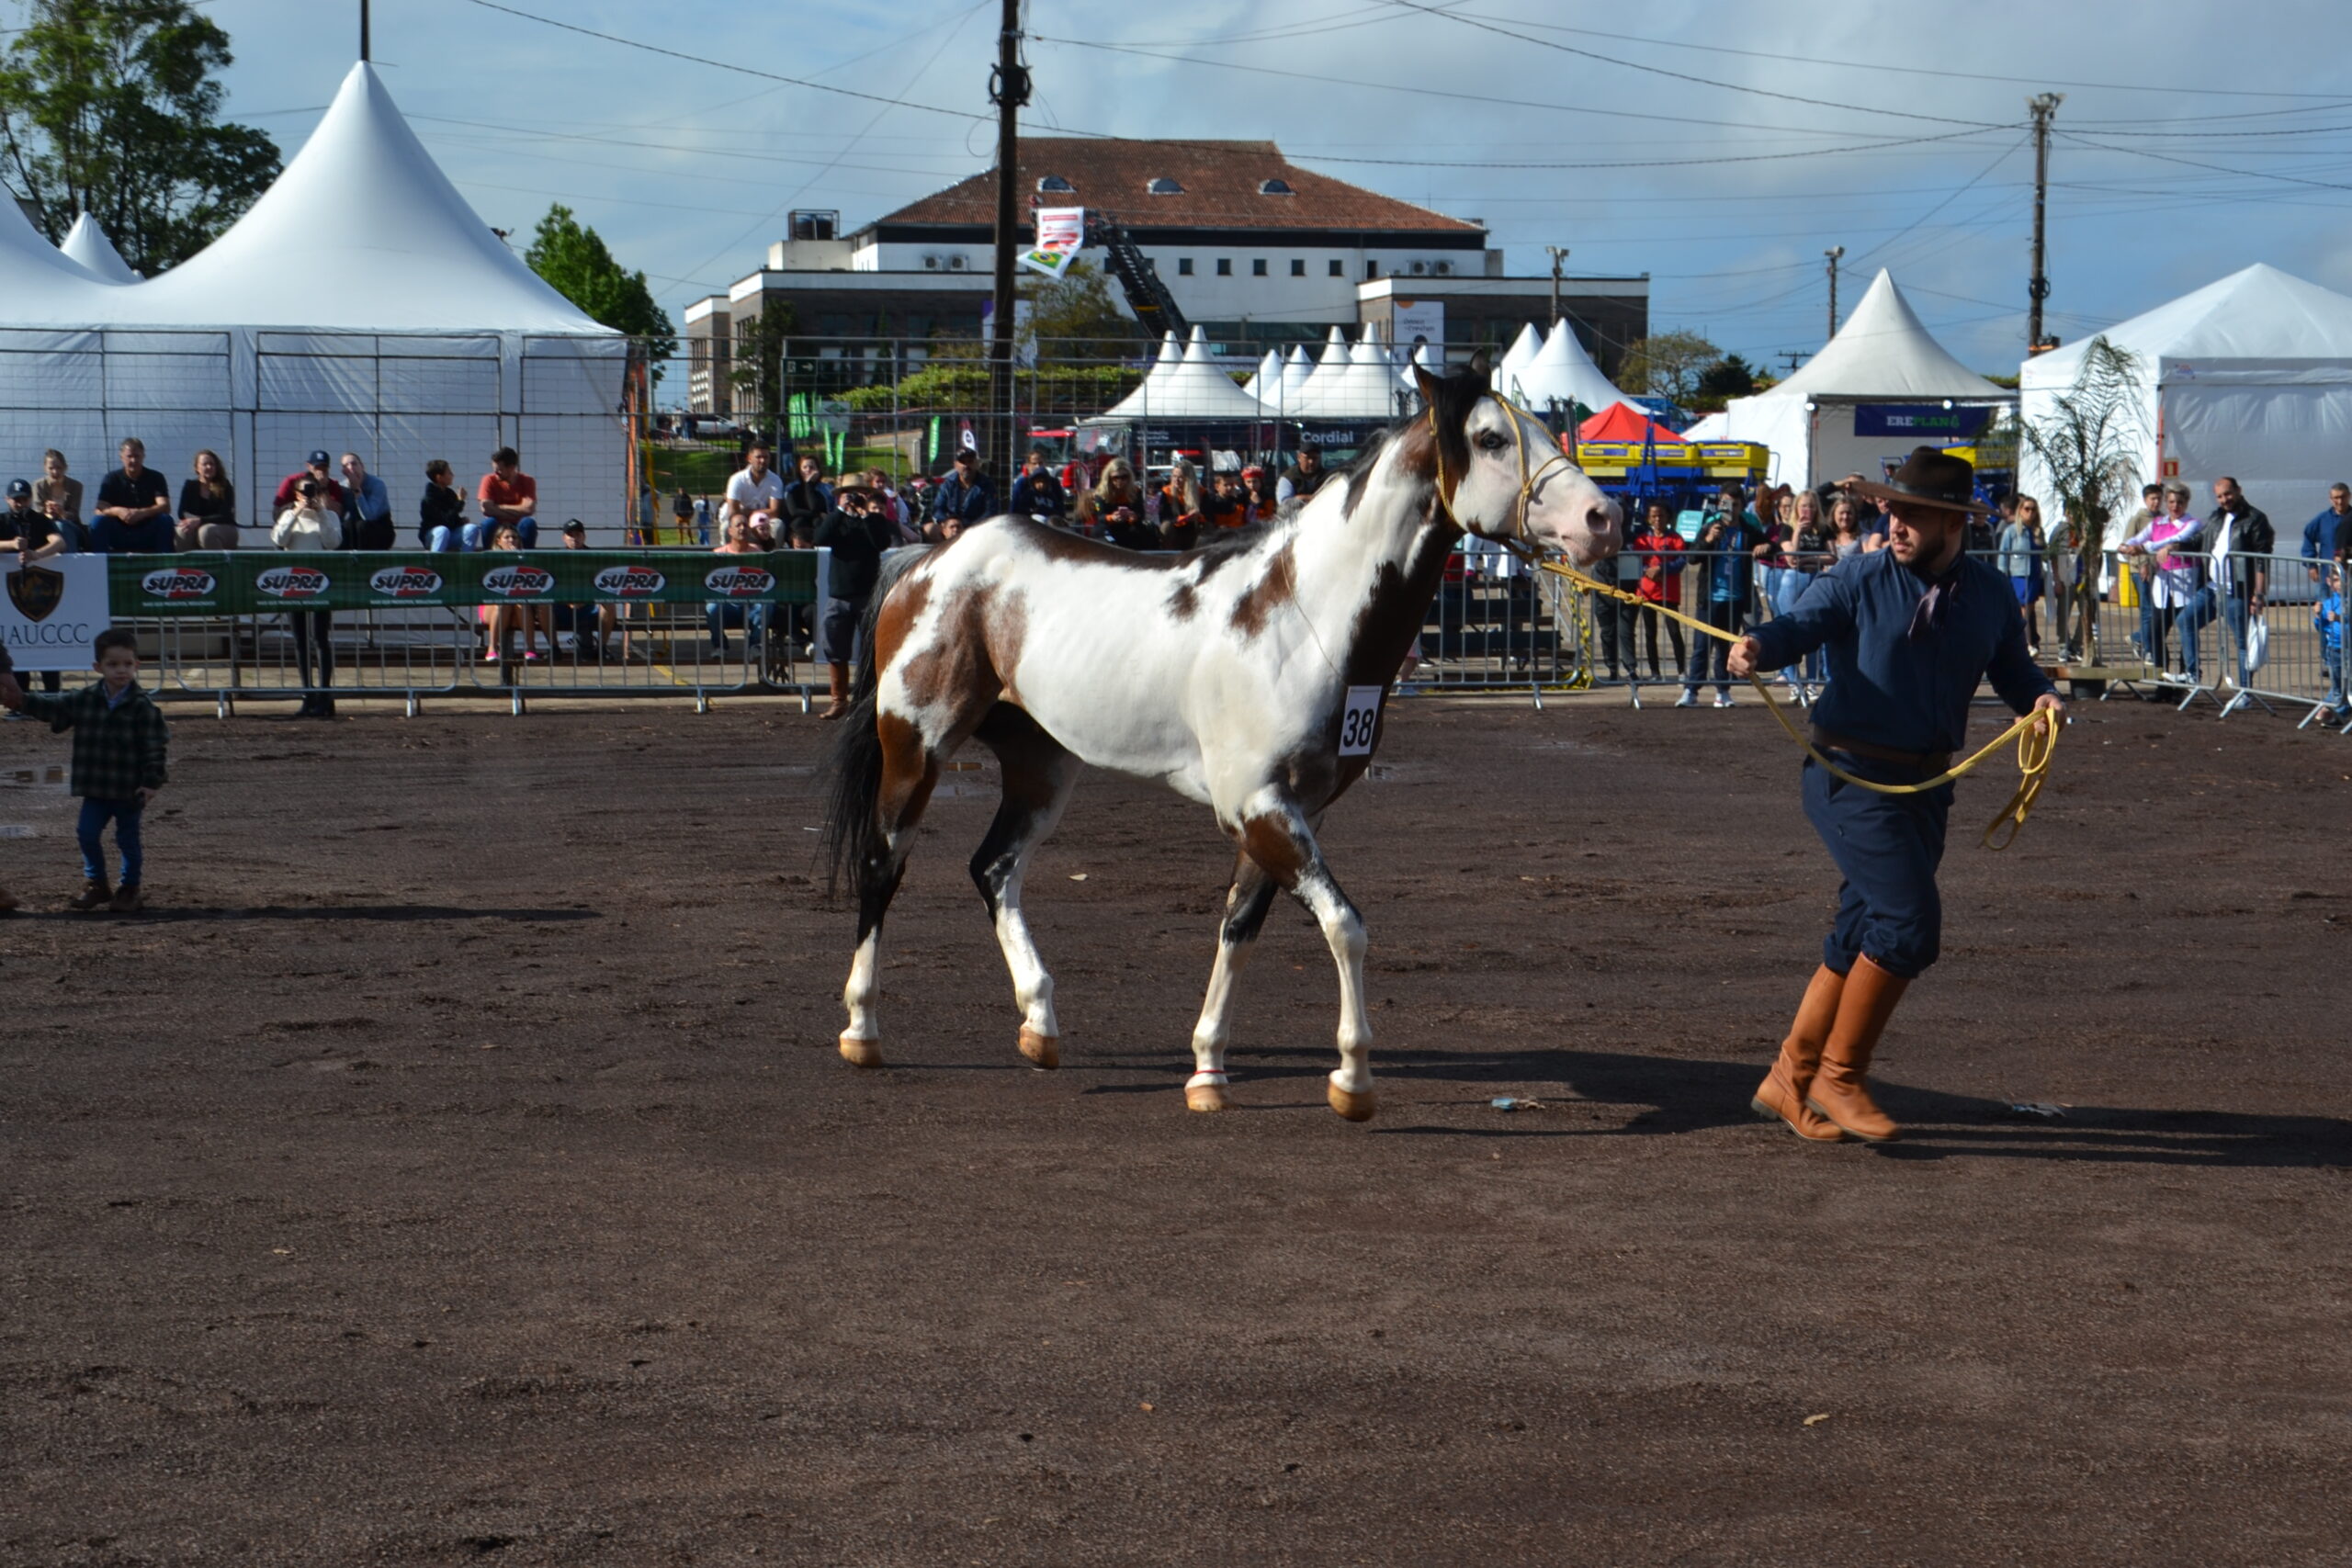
1359 721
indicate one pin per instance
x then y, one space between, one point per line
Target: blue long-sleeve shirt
1886 689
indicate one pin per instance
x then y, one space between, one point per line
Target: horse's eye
1490 442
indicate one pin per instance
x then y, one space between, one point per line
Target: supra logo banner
405 582
740 581
518 581
179 582
36 591
294 582
630 582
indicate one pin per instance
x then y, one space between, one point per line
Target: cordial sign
518 582
404 582
630 582
293 583
178 583
741 582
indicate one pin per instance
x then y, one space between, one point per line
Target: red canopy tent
1623 421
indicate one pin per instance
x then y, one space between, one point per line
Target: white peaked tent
2249 377
1323 376
403 330
1560 372
1265 383
1145 398
1297 367
1362 387
1884 354
1194 386
87 246
1524 347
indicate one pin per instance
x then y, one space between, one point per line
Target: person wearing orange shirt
509 499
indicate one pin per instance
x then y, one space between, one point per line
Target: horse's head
1503 476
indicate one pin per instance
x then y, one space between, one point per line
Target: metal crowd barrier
243 625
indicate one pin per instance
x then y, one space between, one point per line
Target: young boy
120 748
2328 616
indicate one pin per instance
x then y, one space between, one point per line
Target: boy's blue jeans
124 814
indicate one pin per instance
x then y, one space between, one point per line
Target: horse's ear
1482 364
1427 384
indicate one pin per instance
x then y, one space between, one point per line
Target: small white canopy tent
2249 377
408 333
1882 355
1265 383
1364 388
1524 347
1560 372
1297 365
87 246
1327 372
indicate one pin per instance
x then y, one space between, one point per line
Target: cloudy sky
1718 148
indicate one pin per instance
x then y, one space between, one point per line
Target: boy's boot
838 676
95 894
127 900
7 903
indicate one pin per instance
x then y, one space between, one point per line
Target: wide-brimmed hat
1937 479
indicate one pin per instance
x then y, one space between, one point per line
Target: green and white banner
239 582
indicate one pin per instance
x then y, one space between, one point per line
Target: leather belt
1927 762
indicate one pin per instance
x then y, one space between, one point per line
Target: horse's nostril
1599 519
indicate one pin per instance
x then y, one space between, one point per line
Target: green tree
1670 365
108 106
2089 443
1077 311
1730 376
577 264
757 366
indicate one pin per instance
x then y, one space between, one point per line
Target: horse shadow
1677 1095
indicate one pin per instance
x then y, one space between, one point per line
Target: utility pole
2041 106
1791 358
1008 89
1833 252
1558 253
362 29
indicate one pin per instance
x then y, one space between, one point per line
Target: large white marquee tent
1882 355
360 305
2249 377
1557 370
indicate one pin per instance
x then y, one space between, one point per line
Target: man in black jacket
857 534
963 498
807 498
2237 540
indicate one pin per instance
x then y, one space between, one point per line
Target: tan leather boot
839 675
1782 1092
1838 1092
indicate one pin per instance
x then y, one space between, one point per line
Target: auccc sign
236 583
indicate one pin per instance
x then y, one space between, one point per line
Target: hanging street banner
54 610
1920 422
1061 234
243 583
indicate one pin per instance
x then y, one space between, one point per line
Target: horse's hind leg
909 769
1277 835
1038 776
1245 902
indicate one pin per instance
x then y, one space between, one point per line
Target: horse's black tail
853 786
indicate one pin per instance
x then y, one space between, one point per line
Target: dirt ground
457 1167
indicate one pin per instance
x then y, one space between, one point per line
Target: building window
1163 186
1056 184
1339 269
1258 268
1370 267
1275 187
1298 266
1224 266
1183 266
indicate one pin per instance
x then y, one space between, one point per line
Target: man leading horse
1910 631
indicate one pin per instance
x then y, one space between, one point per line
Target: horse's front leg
1277 835
1246 903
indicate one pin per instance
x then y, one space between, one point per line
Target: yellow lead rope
2037 742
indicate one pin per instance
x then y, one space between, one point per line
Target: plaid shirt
118 752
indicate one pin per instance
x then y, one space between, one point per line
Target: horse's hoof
1043 1050
1354 1107
1207 1097
859 1052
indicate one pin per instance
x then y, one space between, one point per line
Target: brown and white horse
1228 674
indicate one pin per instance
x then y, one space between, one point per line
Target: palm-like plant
2088 444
